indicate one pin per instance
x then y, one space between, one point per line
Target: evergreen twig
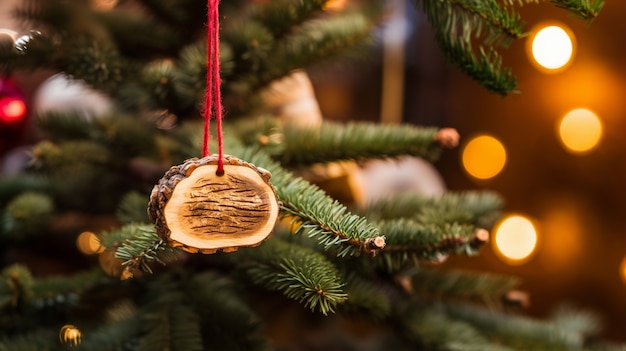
300 274
316 213
333 142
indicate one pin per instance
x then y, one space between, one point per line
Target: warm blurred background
573 195
576 200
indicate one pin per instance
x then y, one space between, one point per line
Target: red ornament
12 115
12 103
11 109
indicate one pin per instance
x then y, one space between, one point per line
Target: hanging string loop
213 94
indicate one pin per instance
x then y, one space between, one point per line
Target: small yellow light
335 5
88 243
515 239
104 4
552 47
70 335
580 130
484 157
622 270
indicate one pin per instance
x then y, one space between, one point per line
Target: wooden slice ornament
199 210
218 202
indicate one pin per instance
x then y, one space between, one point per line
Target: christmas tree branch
429 329
226 315
447 17
138 245
316 213
585 9
410 240
299 273
40 340
282 15
487 69
457 285
333 141
114 336
366 296
568 330
170 322
471 207
313 42
66 290
26 216
19 289
455 21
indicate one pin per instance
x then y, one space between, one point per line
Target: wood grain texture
196 209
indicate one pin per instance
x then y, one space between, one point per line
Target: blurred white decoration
60 93
293 100
381 178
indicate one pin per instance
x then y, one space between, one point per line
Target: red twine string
213 94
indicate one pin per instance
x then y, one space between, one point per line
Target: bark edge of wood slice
195 209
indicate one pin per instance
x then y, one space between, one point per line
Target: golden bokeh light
580 130
104 4
552 47
89 244
335 5
484 157
70 335
622 270
515 239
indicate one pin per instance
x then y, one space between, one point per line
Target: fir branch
132 208
430 240
471 207
175 12
333 141
174 327
65 290
121 335
487 70
282 15
300 274
170 322
429 329
458 285
407 240
226 316
98 64
366 296
313 42
63 126
526 333
470 16
39 340
317 214
26 215
584 9
12 186
138 245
